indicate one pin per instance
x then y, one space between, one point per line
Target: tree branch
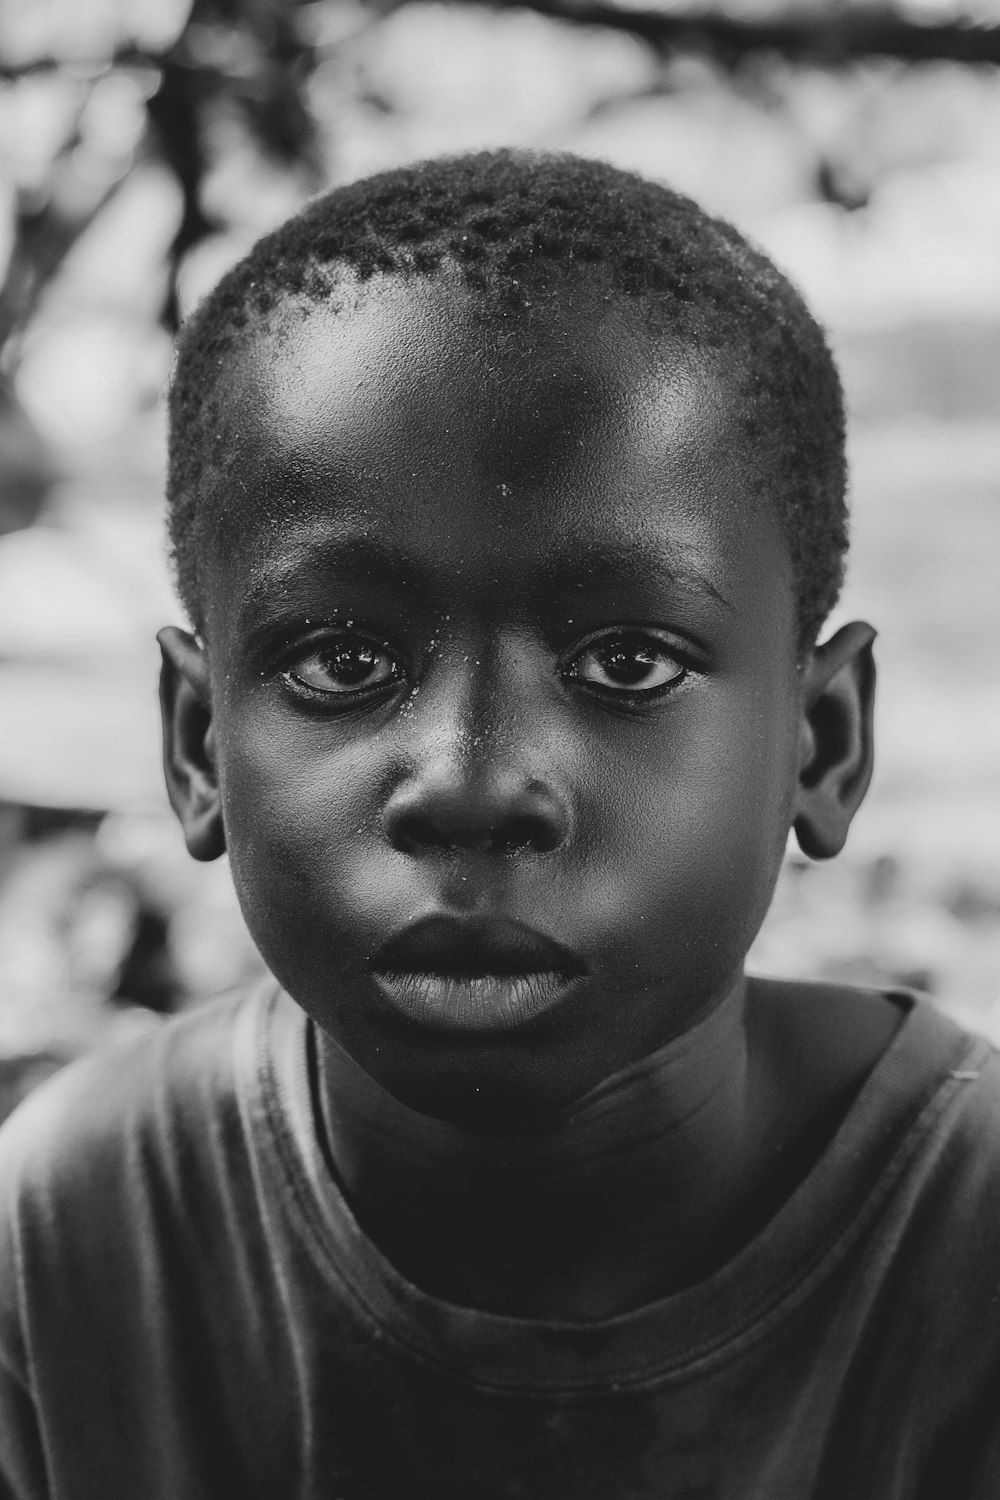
842 36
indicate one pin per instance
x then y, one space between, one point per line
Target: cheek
300 816
687 835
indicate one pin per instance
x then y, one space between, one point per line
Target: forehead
415 420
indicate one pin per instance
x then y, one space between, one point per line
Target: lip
474 974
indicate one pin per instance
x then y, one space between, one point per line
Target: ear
189 743
836 739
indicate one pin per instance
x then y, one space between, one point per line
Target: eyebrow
358 557
621 563
365 558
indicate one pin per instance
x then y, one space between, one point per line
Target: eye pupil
627 662
352 664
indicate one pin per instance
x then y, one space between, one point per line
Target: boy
507 503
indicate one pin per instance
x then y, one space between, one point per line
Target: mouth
474 975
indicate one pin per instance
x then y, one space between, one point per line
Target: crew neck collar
670 1339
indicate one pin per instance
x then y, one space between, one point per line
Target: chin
501 1083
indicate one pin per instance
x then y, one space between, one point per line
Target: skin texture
483 502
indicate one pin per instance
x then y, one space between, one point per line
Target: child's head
507 496
513 228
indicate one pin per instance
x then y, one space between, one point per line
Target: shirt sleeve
22 1462
22 1458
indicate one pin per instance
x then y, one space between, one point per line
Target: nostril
518 835
516 820
525 834
410 833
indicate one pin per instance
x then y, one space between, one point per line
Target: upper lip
470 946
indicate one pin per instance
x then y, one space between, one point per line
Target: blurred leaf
26 470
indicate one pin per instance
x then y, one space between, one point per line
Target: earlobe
189 743
836 738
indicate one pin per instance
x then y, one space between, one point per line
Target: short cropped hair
510 220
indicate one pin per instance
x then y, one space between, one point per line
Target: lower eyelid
390 677
658 689
572 668
326 698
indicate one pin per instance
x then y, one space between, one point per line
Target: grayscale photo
499 750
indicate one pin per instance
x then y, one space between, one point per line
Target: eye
343 667
629 662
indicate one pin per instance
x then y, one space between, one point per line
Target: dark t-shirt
188 1308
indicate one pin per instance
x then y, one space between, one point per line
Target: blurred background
144 144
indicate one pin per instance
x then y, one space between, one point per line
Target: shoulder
125 1167
87 1137
939 1085
68 1158
969 1108
889 1069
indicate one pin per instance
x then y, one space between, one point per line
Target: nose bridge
477 774
474 706
496 710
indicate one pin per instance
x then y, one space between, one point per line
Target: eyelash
643 640
327 647
623 696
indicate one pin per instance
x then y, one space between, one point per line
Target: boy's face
505 706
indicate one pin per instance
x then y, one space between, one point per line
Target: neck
640 1188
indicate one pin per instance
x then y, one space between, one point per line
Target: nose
478 752
450 807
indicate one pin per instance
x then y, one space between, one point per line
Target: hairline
761 319
357 290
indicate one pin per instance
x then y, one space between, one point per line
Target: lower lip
475 1004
